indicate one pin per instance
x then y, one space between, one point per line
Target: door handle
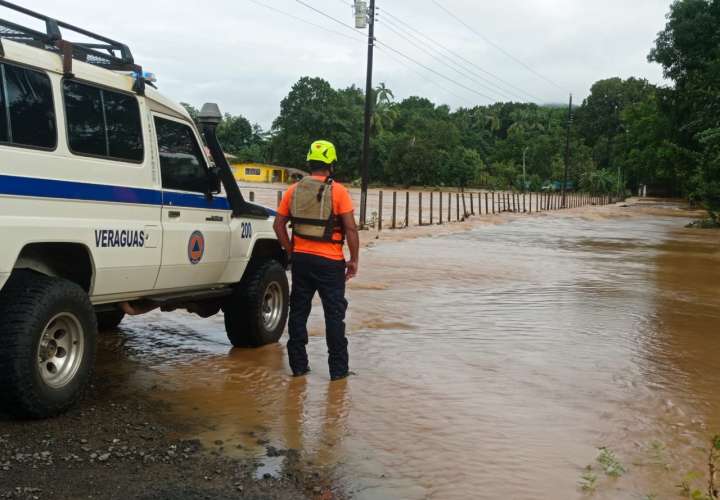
214 218
173 214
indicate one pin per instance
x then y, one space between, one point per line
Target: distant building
259 172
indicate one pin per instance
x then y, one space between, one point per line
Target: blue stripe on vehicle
70 190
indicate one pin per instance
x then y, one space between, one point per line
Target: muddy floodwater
492 363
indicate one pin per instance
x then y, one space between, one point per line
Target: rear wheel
256 313
109 320
47 344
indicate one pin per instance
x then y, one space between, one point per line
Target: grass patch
609 462
588 480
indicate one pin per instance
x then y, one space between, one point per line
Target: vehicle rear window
27 114
102 122
181 160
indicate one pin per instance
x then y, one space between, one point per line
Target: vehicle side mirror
213 181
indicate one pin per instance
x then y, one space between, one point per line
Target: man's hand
351 269
353 241
280 227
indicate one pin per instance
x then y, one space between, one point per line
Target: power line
496 46
441 75
405 56
326 15
425 78
297 18
517 90
462 71
388 51
504 91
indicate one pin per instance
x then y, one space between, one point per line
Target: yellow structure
259 172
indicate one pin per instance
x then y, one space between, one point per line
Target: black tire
245 321
28 303
109 320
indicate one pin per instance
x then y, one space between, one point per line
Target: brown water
492 364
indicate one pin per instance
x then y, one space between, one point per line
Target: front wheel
47 344
256 313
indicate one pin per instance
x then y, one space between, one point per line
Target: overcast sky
246 57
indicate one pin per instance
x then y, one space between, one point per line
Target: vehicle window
123 126
181 161
84 115
102 122
26 108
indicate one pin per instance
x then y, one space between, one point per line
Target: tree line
625 134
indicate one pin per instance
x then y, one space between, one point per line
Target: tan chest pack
311 211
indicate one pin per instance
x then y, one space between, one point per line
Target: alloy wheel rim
60 350
272 306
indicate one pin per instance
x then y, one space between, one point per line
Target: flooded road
492 363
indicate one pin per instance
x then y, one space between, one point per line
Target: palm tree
385 113
383 95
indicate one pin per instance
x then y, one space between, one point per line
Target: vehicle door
196 225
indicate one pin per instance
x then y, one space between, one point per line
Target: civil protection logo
196 247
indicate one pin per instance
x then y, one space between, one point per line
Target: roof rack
102 51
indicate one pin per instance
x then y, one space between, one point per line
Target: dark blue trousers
310 274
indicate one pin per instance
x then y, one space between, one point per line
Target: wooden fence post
472 204
493 202
486 204
394 215
279 197
407 208
252 196
380 210
420 222
457 207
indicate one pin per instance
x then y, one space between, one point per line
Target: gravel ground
118 445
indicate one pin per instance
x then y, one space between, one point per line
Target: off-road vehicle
109 205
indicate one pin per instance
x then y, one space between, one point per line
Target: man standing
321 213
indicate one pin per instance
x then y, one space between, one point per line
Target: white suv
108 206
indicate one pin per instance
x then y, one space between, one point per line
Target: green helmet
322 151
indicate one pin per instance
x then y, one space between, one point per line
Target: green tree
689 51
314 110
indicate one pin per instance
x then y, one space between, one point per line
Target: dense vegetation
627 133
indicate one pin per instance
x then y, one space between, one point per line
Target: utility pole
364 172
567 152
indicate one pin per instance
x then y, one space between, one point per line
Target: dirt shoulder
117 445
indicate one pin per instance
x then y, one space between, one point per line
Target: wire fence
398 209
